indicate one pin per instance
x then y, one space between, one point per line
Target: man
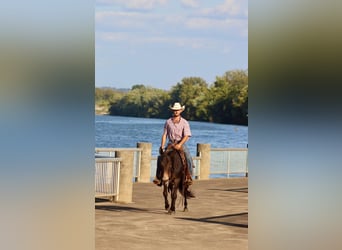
177 131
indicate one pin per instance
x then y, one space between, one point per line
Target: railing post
145 161
126 176
247 161
204 151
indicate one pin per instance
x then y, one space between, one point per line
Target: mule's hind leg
185 194
185 204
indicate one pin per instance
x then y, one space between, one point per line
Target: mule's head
165 165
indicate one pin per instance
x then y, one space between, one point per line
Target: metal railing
111 152
107 177
213 162
228 162
224 163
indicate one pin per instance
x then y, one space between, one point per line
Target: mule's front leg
165 197
173 200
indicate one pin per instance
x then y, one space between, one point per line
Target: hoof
185 209
171 212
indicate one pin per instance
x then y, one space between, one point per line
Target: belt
173 141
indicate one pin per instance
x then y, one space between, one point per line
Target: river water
126 132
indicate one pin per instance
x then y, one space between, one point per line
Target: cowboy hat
177 106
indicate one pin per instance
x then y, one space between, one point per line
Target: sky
157 43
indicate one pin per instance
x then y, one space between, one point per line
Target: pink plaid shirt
176 131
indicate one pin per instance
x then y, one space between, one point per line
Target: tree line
223 101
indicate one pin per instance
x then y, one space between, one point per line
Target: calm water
126 132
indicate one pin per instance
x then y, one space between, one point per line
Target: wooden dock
217 219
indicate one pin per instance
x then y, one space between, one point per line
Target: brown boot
157 181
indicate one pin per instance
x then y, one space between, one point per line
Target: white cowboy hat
177 106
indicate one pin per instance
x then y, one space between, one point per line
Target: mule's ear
161 150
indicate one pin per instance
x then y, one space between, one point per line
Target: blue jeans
188 158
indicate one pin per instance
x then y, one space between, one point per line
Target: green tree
229 98
192 92
224 101
141 101
104 97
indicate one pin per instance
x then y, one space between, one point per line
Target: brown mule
170 172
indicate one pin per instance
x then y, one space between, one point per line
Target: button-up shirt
176 131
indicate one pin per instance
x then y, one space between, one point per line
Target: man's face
177 113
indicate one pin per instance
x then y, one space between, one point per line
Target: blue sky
159 42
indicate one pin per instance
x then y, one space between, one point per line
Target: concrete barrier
126 174
142 163
203 150
145 161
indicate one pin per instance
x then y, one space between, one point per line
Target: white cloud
190 3
201 19
112 36
128 30
135 4
226 49
222 27
193 30
206 23
244 32
228 7
195 43
178 41
121 19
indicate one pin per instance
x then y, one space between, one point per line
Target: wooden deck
217 219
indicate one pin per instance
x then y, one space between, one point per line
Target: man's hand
177 146
161 150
